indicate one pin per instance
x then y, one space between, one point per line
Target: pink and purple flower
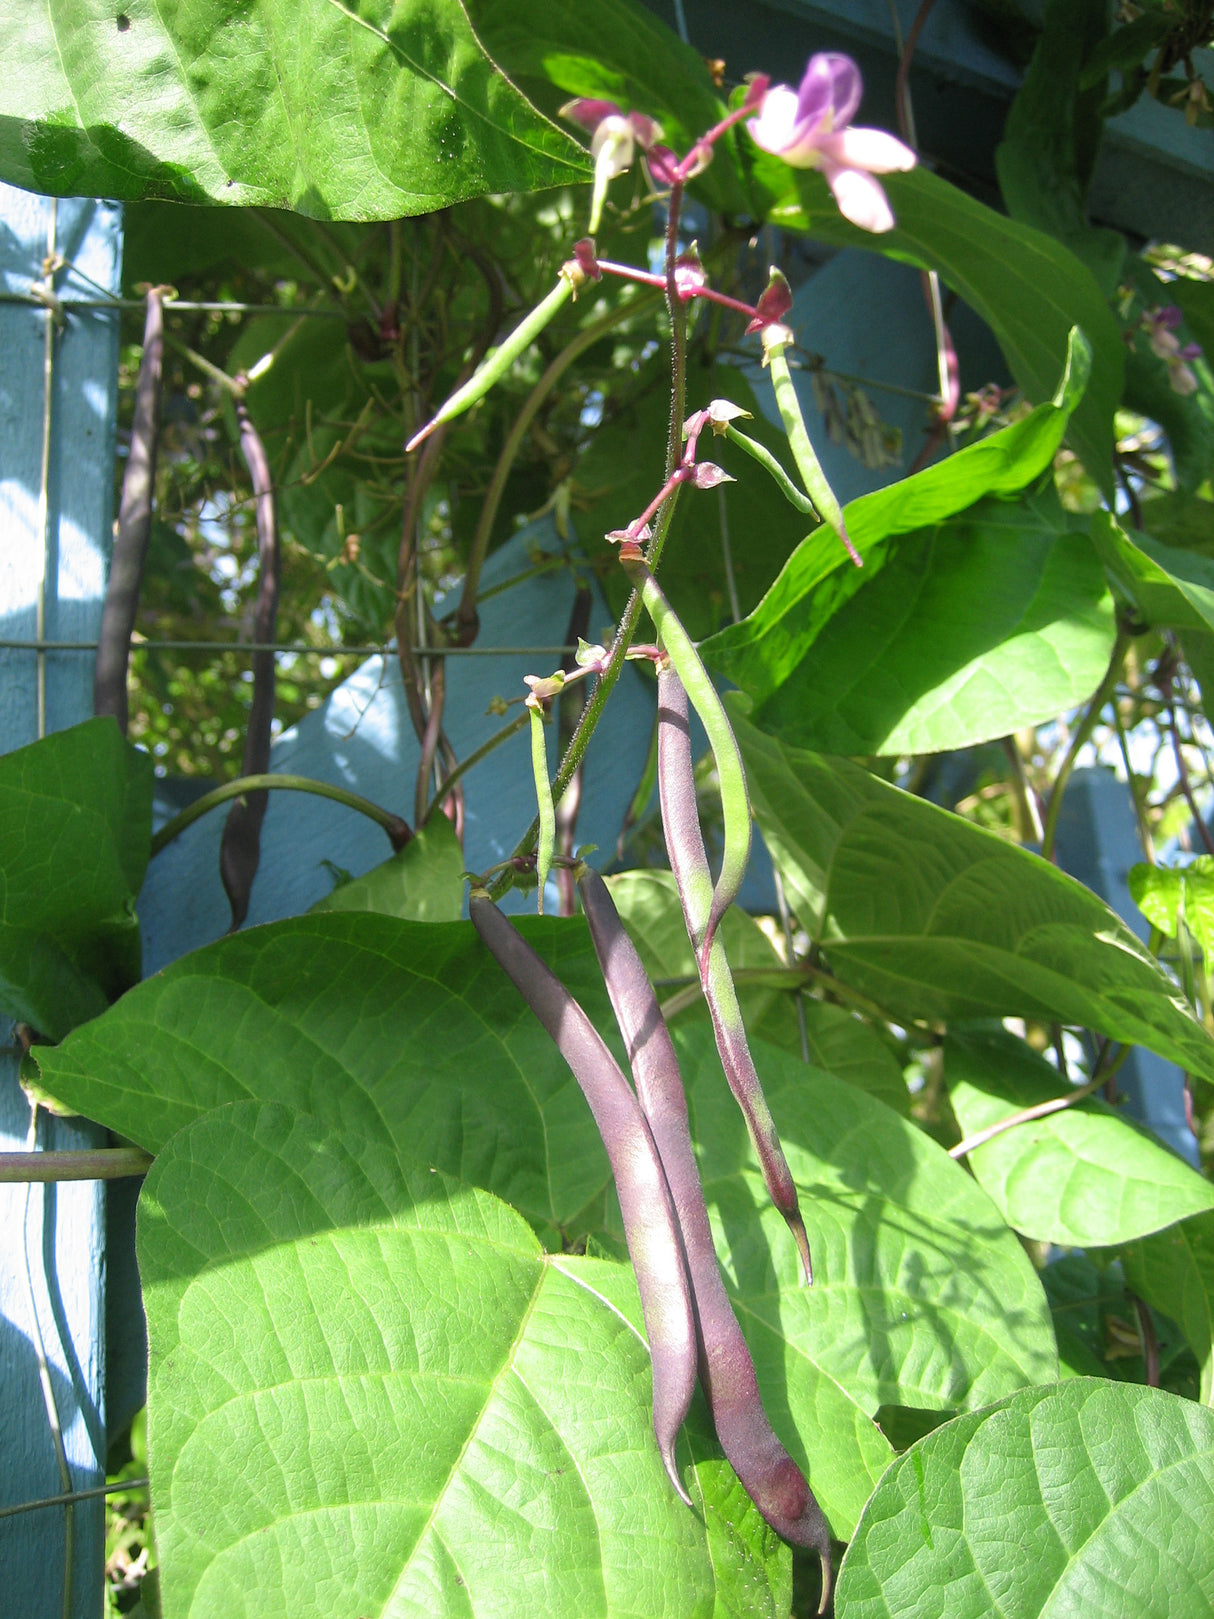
810 128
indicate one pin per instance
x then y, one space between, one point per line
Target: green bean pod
650 1224
499 360
689 863
769 1475
814 479
731 775
546 844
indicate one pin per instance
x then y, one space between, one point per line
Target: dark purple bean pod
768 1474
240 848
650 1223
134 525
693 877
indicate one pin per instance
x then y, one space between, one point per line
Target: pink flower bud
774 303
689 274
707 475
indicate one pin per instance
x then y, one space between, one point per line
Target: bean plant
661 1255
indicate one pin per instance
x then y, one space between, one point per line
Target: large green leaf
365 1020
850 1049
75 829
423 882
362 111
1174 1272
1052 136
1081 1178
1086 1498
1028 288
922 1297
409 1032
1169 586
992 620
371 1390
935 918
768 647
618 51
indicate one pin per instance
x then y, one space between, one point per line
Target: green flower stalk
767 1472
731 775
650 1224
689 863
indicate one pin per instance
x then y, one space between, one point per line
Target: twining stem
1083 731
1040 1110
475 758
134 525
399 832
626 628
102 1164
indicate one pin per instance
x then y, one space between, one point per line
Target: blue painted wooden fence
58 386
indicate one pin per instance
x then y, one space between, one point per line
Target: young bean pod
689 863
731 776
768 1474
499 360
650 1224
546 843
789 406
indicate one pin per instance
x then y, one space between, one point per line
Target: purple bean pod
768 1474
650 1223
240 847
693 877
134 525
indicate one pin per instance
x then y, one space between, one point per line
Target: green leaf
372 112
371 1388
850 1050
1052 136
423 882
1081 1178
1186 521
75 829
1170 587
1174 1272
935 918
1087 1497
616 51
766 648
366 1021
1096 1325
1028 288
1164 895
922 1296
409 1032
1196 298
993 620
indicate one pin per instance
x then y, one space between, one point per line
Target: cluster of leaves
397 1357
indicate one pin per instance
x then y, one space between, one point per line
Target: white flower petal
773 128
860 198
870 149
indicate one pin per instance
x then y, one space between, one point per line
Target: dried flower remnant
810 128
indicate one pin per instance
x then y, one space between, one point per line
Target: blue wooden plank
1098 843
60 544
